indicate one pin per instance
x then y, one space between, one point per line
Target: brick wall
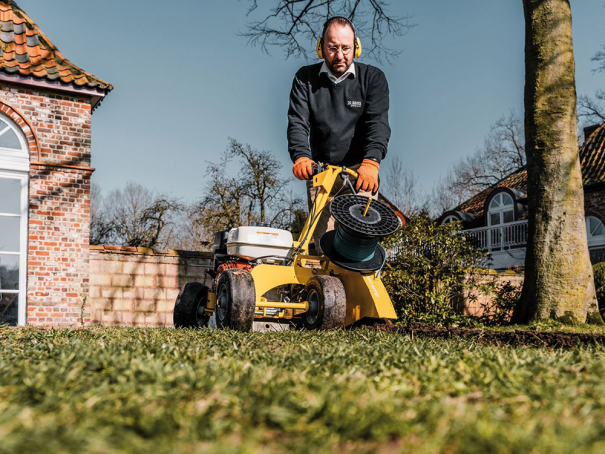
476 303
57 129
137 286
59 221
594 203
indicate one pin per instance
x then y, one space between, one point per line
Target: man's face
337 38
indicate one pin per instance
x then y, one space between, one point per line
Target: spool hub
354 244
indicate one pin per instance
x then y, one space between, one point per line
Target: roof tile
34 48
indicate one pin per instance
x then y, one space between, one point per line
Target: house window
450 218
14 167
595 231
501 209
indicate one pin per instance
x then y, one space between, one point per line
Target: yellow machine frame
365 293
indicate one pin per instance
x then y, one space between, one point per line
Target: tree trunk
558 273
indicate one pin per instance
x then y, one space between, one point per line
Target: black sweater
343 123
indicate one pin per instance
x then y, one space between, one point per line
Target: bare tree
295 25
259 170
599 57
401 187
223 204
502 153
159 221
558 274
289 211
591 109
140 217
191 233
101 227
445 195
256 194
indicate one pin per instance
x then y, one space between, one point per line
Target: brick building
46 103
497 217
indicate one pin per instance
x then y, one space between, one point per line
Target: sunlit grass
165 390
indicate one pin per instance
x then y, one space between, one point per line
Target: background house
46 103
497 217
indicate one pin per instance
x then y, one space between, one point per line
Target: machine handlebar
320 167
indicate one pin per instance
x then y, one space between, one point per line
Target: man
338 115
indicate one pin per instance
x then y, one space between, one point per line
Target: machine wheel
190 307
327 303
235 300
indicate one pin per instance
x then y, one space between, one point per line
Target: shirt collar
333 78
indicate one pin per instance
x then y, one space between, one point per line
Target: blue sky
185 82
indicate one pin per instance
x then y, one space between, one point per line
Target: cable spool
362 224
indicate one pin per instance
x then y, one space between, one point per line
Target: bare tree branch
295 25
502 153
256 194
590 109
401 187
599 57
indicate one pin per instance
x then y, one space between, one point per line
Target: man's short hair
340 20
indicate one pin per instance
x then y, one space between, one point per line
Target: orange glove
368 176
303 168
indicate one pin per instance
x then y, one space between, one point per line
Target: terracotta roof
592 161
592 157
476 204
26 51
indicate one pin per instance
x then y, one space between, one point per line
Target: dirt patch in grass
520 337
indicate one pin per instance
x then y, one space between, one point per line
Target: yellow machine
335 289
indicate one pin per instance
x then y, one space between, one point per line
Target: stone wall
138 286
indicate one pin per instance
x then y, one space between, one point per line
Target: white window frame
501 209
450 218
14 164
594 240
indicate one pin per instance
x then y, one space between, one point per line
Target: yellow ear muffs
356 54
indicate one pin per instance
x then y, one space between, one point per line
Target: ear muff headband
320 40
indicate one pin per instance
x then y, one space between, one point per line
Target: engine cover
251 242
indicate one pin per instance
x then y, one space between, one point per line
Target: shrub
428 270
599 282
502 299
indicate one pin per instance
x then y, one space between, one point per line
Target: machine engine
239 247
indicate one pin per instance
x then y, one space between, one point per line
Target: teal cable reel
362 223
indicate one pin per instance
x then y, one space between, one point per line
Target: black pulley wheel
327 303
379 220
235 300
190 307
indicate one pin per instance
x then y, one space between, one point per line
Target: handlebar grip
318 167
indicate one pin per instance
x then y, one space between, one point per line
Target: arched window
14 167
450 218
501 209
595 231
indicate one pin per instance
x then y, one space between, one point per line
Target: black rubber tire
190 305
235 300
327 303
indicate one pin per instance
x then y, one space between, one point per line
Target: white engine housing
250 242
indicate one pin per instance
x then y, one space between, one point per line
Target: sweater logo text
354 103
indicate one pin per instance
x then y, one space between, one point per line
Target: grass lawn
163 390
